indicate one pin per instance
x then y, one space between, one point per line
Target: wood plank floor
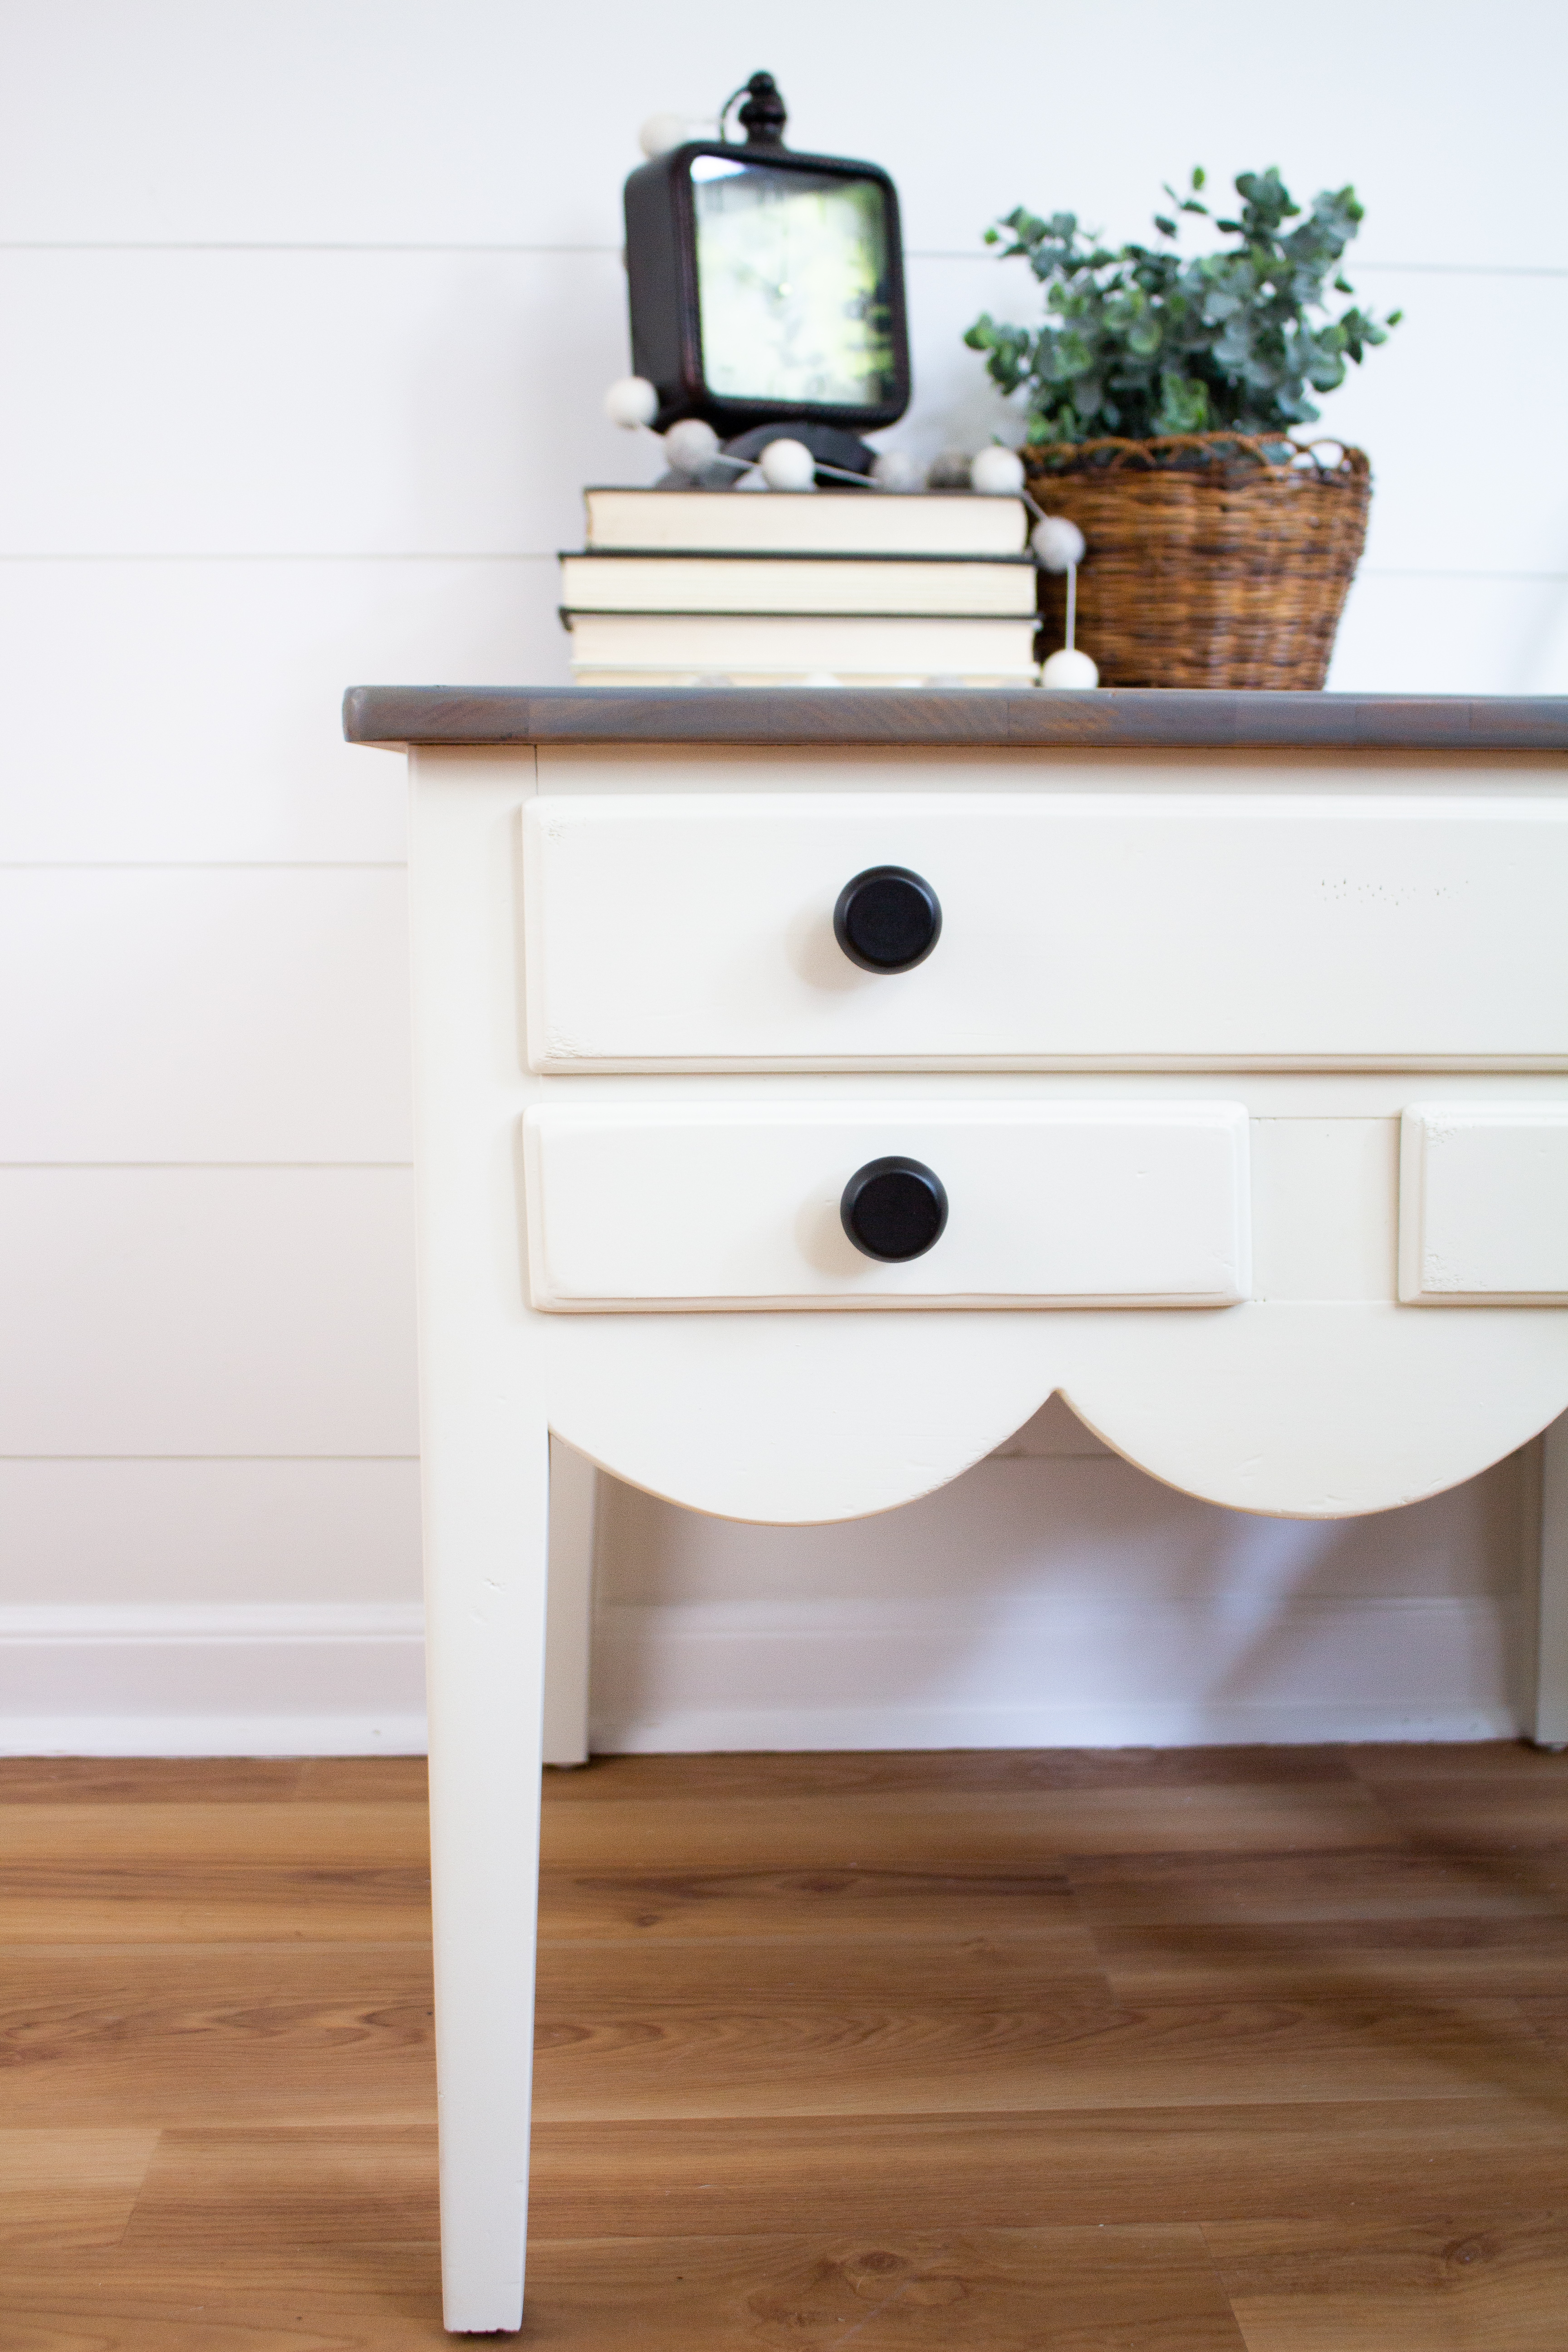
1217 2051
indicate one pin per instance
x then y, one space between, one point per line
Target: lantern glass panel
793 284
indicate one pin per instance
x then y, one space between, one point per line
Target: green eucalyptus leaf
1137 340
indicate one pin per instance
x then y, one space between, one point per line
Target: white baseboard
810 1730
830 1675
320 1678
338 1679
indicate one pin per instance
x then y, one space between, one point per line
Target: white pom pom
631 401
788 466
691 445
660 133
895 469
1073 671
998 473
1058 542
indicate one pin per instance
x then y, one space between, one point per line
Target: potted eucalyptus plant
1165 397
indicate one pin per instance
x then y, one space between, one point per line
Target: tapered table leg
574 1504
1551 1727
487 1537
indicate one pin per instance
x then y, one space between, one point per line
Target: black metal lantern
767 288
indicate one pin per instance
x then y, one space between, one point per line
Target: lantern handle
763 115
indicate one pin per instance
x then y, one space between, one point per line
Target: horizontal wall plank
178 1311
122 742
402 403
289 404
76 1534
1403 633
1406 408
281 118
203 1015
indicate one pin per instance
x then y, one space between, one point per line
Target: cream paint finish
1311 1410
1198 926
1321 1396
737 1204
1483 1211
1321 1400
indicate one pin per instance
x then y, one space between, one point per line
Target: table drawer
1483 1205
689 931
740 1206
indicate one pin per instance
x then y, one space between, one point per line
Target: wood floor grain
1480 2283
172 2035
1220 2051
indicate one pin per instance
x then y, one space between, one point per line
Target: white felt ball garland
1068 668
1058 547
996 472
690 445
787 466
631 401
1058 542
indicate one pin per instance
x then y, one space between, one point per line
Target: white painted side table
810 1083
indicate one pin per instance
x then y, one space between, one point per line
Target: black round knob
887 919
894 1208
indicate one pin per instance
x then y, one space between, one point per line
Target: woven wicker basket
1210 560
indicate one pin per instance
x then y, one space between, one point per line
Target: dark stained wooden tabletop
1116 719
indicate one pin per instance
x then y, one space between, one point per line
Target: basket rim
1236 454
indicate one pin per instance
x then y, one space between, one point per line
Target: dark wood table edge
1118 719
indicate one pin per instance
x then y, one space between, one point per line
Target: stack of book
681 587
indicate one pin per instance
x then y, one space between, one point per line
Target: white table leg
1550 1725
486 1530
484 1451
573 1504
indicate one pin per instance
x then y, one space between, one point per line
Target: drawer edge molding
680 930
715 1208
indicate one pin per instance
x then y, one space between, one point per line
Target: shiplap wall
308 308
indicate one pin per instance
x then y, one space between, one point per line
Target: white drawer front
1051 1204
695 930
1483 1206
